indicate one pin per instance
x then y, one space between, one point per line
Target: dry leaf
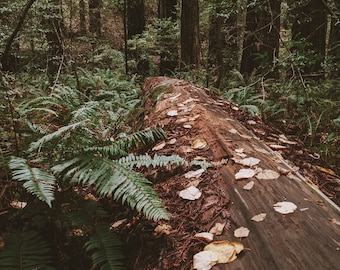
233 131
267 175
118 223
162 229
194 117
158 146
218 228
199 144
175 97
249 186
259 217
283 138
241 232
191 193
18 204
225 250
204 260
172 141
187 126
244 173
207 236
191 174
251 122
250 161
172 113
235 108
277 146
328 171
285 207
334 221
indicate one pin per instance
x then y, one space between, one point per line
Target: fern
145 160
111 177
37 181
25 251
105 247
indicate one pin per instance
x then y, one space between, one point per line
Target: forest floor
194 133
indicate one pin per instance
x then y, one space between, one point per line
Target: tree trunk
169 57
54 38
190 46
334 39
135 17
82 17
217 44
5 58
261 44
167 9
94 16
310 27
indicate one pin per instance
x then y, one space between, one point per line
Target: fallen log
307 238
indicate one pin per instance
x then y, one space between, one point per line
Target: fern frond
105 247
25 250
111 177
57 134
37 181
143 137
145 160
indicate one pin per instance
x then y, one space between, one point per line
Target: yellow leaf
225 250
199 144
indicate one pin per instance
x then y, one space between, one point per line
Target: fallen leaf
172 113
218 228
182 120
158 146
199 144
172 141
249 186
207 236
191 174
233 131
204 260
251 122
175 97
285 207
194 117
162 229
267 175
250 161
334 221
118 223
191 193
328 171
235 108
187 126
225 250
277 146
244 173
241 232
259 217
283 138
18 204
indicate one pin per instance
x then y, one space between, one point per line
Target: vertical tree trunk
95 16
334 39
167 9
310 26
82 17
261 44
54 38
135 17
190 46
169 58
216 43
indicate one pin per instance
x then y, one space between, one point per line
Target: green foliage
26 250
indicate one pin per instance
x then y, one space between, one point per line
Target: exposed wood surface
305 239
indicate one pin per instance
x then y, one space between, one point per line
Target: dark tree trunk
6 62
310 27
169 57
261 44
167 9
82 17
135 17
216 43
334 40
95 17
190 46
54 38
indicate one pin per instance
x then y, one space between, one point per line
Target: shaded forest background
70 101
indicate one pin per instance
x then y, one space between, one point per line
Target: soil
175 248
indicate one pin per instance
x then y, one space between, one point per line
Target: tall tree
82 17
310 26
135 17
169 55
261 43
95 16
190 44
6 56
167 9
